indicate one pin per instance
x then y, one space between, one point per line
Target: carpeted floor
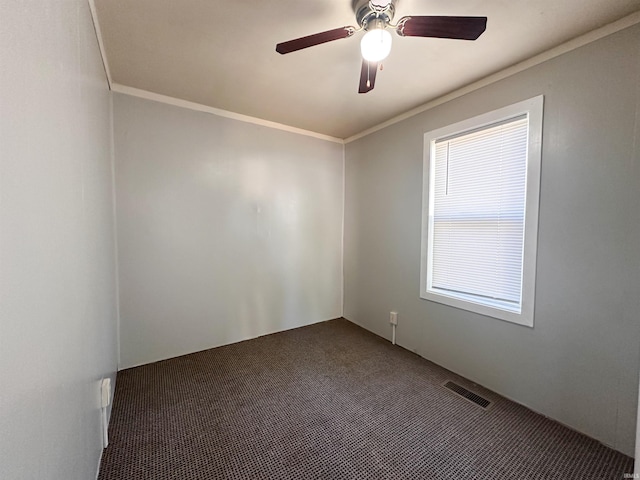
330 401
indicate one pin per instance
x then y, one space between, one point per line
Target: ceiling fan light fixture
375 17
376 45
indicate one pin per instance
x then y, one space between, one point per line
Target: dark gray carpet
330 401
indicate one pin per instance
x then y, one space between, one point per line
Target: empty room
341 239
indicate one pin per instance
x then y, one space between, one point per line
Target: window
480 212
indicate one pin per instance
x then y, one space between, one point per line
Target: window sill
524 318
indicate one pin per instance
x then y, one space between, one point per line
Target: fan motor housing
365 14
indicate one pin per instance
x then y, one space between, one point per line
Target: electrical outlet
393 318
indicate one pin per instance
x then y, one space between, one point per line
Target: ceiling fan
374 17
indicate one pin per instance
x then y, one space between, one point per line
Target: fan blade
367 76
461 28
316 39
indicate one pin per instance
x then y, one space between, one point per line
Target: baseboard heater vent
467 394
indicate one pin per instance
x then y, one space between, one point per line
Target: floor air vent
467 395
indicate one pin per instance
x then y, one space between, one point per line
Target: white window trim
533 107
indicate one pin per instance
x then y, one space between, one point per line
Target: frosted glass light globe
375 45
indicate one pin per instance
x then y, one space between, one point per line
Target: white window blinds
478 215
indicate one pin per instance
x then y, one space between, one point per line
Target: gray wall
579 364
57 262
226 230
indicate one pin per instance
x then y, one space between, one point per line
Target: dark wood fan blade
462 28
316 39
367 76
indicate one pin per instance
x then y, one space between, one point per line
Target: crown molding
561 49
136 92
96 26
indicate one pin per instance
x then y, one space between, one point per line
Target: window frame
533 108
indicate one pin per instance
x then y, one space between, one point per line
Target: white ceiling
222 54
